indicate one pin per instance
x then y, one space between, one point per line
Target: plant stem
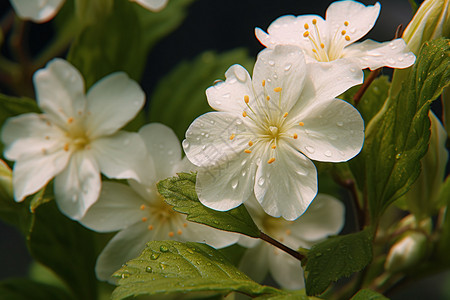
357 97
281 246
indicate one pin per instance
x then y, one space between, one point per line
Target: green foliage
169 267
292 295
25 289
397 137
335 258
180 97
180 192
443 248
368 295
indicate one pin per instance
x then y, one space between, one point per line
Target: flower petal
214 138
78 186
120 155
60 91
31 135
292 177
332 130
227 185
37 11
229 95
163 147
125 245
282 67
360 18
254 262
194 232
286 270
153 5
112 102
118 207
325 216
374 55
33 172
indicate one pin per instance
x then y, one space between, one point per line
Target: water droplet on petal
390 61
239 122
240 74
327 153
234 183
340 124
261 181
148 269
352 30
400 59
275 76
185 144
271 63
164 248
212 122
203 147
207 135
287 67
310 149
226 96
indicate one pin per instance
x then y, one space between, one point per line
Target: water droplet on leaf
164 248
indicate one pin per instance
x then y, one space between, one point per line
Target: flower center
77 139
326 49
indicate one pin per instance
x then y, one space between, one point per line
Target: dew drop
240 74
212 122
271 63
244 173
352 70
190 251
400 59
201 124
162 266
148 269
204 147
239 122
352 30
226 96
207 135
218 103
327 153
154 256
287 67
318 254
398 156
310 149
340 124
185 144
164 248
261 181
390 61
243 162
302 172
275 76
234 183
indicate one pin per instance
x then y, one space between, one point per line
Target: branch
281 246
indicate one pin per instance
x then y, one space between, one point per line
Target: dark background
221 25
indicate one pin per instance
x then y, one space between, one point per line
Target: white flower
139 212
334 38
76 137
41 11
267 128
324 217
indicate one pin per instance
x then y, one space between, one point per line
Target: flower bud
407 252
6 187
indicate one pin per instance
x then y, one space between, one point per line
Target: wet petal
193 232
153 5
286 270
37 11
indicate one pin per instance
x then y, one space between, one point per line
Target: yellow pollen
274 146
322 45
343 32
47 137
142 207
301 124
232 136
285 115
44 151
288 232
250 143
66 147
247 151
314 21
267 98
179 232
346 23
347 38
70 120
171 234
271 160
295 136
48 123
185 225
144 219
246 98
263 83
314 50
150 227
244 114
306 26
306 34
277 89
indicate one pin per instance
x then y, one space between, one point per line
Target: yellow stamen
246 98
247 151
346 23
343 32
267 98
47 137
347 38
179 232
244 114
70 120
263 83
306 34
185 225
274 146
171 234
301 124
142 207
306 26
314 50
150 227
271 160
250 143
314 21
144 219
295 136
232 136
277 89
285 115
66 147
322 45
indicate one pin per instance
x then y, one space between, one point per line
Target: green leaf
291 295
13 106
25 289
367 294
6 186
443 247
397 137
179 191
169 267
335 258
180 97
65 247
